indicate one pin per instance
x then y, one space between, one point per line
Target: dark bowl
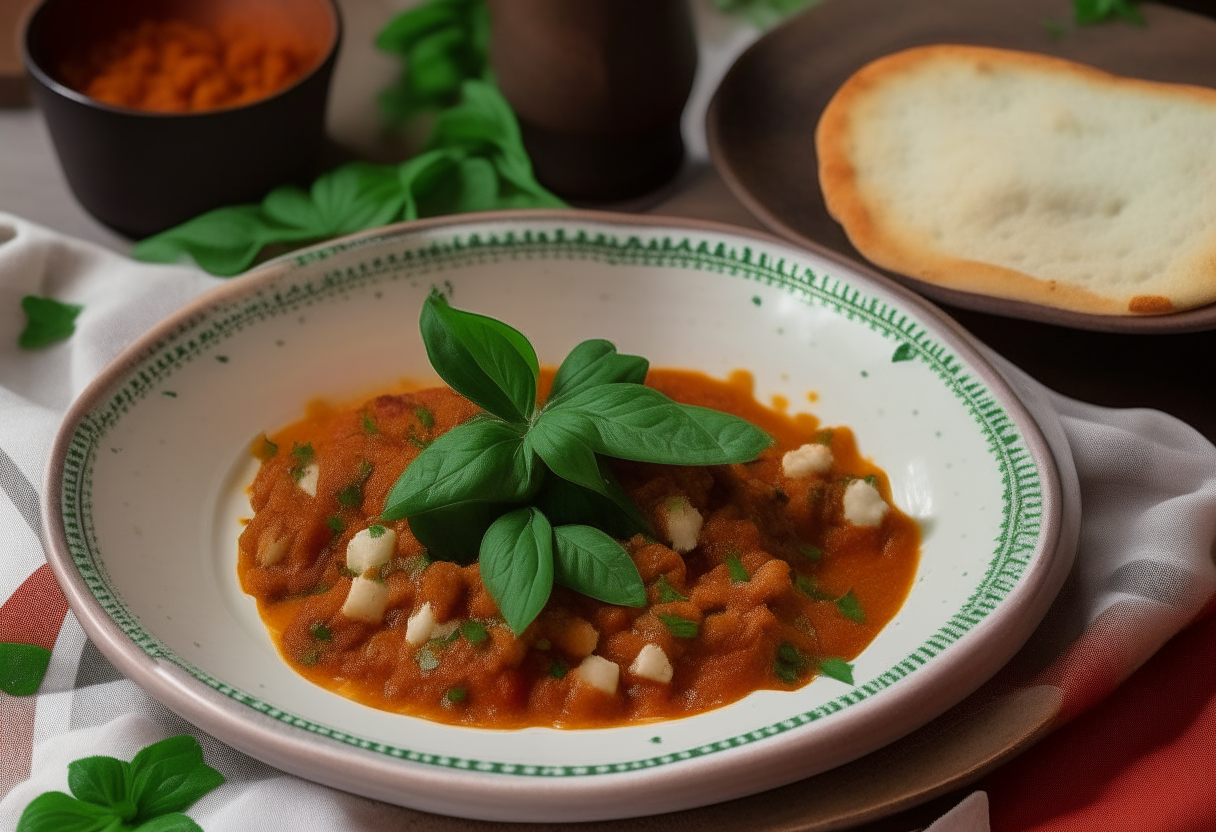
139 171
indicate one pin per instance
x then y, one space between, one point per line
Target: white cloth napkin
1147 484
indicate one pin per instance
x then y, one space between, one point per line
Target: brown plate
761 122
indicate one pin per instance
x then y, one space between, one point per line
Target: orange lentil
175 66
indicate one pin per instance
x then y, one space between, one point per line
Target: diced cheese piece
366 601
366 552
308 479
652 663
271 549
599 673
806 460
420 626
863 505
683 525
578 638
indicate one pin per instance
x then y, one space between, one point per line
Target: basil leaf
58 812
22 667
629 421
46 321
517 565
454 532
486 361
589 561
480 461
223 242
169 776
850 607
103 781
565 503
596 362
173 822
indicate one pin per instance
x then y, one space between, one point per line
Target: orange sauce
803 566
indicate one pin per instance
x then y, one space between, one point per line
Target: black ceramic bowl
141 172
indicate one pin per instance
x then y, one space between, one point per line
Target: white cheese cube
806 460
366 552
683 525
308 479
366 601
599 673
271 549
652 663
420 626
863 505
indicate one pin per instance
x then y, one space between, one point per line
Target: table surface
1170 372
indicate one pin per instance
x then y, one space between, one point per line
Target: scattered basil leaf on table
147 794
1087 12
531 488
46 321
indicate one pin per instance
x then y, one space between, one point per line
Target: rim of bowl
500 798
49 81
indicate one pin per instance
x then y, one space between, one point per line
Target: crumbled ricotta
420 626
599 673
683 525
366 601
652 663
863 505
806 460
308 479
366 552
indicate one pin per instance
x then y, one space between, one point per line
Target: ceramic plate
761 122
146 491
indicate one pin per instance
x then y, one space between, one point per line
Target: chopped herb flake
810 588
872 480
423 444
309 658
303 454
425 417
542 644
851 608
320 631
320 589
474 631
348 572
336 524
350 496
837 669
680 627
738 573
558 669
264 449
789 663
376 531
369 427
456 694
810 552
667 593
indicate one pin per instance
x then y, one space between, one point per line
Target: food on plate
1026 177
177 66
619 554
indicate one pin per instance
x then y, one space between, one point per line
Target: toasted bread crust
892 241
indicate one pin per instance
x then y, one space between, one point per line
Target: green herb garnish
810 588
558 669
810 552
350 573
320 631
150 792
790 663
738 573
667 593
850 608
369 426
474 632
526 490
837 669
46 321
336 524
680 627
456 694
376 531
425 417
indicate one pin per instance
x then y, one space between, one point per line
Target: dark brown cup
141 172
598 87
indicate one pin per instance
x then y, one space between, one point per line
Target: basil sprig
527 491
150 792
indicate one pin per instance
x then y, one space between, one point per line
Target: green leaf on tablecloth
1087 12
763 13
22 667
147 794
46 321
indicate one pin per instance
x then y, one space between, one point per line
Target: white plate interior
155 472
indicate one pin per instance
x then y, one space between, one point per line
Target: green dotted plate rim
1022 493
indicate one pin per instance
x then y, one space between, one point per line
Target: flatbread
1026 177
